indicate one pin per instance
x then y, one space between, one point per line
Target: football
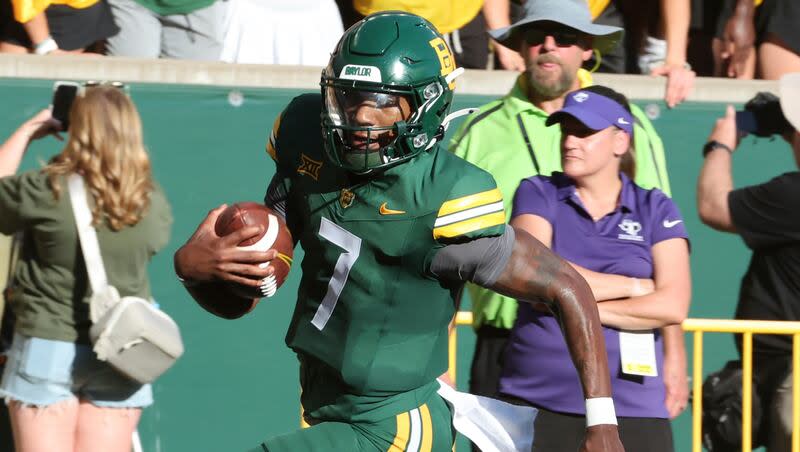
218 298
275 236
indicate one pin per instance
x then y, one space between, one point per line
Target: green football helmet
386 91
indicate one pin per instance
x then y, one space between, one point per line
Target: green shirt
170 7
371 321
50 295
508 138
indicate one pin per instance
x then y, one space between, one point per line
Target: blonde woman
60 397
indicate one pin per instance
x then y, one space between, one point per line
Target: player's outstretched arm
206 259
534 273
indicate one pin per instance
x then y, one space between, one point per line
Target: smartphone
63 95
746 122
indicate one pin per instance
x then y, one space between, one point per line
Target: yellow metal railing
747 328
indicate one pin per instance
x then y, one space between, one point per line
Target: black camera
762 116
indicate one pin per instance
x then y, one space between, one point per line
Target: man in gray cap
508 137
766 217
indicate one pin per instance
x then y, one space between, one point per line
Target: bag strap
87 235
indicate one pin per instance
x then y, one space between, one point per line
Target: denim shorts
41 372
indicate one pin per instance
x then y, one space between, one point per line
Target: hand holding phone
43 124
64 94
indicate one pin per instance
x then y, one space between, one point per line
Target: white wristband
600 410
46 46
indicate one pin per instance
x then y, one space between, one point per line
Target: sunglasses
113 84
563 37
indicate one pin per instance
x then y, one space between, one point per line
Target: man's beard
544 86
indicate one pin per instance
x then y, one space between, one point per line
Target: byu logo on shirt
631 230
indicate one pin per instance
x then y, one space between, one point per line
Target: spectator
460 21
181 29
636 260
60 397
655 41
664 50
59 26
766 217
769 26
297 32
508 138
500 14
702 29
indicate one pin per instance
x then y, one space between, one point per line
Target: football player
392 226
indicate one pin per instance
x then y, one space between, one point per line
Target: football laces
269 286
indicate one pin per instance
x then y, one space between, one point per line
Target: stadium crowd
542 120
675 38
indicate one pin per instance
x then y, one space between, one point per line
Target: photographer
768 219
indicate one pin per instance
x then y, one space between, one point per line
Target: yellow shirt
445 15
597 6
25 10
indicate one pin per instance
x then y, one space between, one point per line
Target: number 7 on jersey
352 246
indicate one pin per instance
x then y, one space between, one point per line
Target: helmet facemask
369 127
363 125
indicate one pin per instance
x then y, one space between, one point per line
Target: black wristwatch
714 144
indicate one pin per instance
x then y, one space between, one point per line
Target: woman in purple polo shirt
631 246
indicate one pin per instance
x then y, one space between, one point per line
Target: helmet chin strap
453 75
446 123
449 78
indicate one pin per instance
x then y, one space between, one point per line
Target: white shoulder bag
130 333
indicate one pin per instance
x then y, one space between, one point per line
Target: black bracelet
714 144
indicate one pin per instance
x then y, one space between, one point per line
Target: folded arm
668 304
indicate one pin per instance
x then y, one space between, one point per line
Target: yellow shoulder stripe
470 225
468 202
272 137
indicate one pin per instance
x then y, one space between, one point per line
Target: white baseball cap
789 91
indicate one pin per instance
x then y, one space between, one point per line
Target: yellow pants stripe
403 432
427 429
414 431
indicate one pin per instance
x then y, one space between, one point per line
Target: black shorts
559 432
779 17
470 44
71 28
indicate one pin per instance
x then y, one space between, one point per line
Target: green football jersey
371 321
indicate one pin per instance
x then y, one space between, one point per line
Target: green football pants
427 428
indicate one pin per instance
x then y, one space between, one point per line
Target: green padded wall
237 382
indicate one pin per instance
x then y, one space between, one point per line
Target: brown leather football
276 236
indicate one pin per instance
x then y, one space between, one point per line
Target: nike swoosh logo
668 224
387 211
